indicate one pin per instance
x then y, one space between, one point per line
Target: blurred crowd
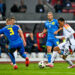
41 7
31 44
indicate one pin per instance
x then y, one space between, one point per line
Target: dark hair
61 19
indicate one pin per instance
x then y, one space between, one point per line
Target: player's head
13 20
50 15
61 22
8 21
31 35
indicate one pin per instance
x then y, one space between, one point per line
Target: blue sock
24 55
0 51
12 58
49 57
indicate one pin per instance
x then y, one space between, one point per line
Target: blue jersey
51 27
11 32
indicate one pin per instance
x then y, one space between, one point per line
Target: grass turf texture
33 69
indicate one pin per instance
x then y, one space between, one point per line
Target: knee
49 50
56 48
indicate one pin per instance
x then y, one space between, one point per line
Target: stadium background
30 20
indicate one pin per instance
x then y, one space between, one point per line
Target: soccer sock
49 57
0 51
62 52
69 62
15 54
12 58
24 55
53 56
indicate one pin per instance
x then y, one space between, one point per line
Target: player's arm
22 36
60 37
44 31
1 31
56 32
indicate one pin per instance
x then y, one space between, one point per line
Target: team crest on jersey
53 23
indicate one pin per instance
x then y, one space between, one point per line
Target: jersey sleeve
45 26
69 28
18 27
1 31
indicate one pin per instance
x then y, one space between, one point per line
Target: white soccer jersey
68 32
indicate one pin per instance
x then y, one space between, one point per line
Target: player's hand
6 46
56 32
63 38
24 43
41 34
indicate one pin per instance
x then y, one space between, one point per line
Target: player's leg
15 54
10 53
49 53
54 55
68 61
55 52
49 45
23 54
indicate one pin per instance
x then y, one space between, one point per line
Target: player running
68 46
51 28
16 41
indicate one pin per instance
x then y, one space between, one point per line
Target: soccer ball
41 64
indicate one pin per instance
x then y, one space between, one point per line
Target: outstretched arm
44 31
56 32
22 36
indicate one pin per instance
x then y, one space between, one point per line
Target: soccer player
16 41
68 45
52 29
13 23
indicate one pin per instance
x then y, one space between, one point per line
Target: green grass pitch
33 69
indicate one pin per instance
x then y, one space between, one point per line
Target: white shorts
73 47
63 45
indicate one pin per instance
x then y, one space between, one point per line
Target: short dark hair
61 19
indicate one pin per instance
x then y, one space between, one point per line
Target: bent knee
56 49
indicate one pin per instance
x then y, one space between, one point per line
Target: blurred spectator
48 7
58 7
48 1
15 8
22 7
53 2
3 42
43 44
2 9
31 43
39 7
68 4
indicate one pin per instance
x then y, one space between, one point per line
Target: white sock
15 54
54 55
14 64
69 62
